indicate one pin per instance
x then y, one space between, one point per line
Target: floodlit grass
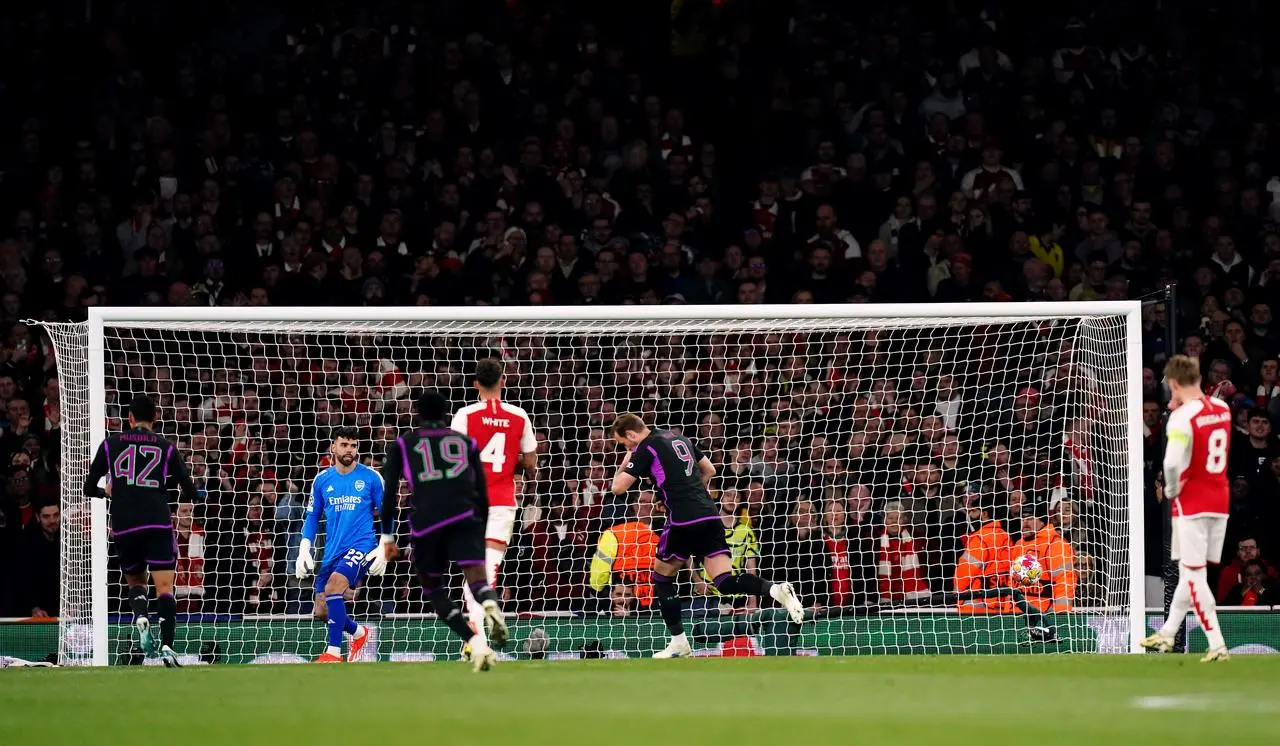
992 700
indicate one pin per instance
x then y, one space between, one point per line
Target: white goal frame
99 318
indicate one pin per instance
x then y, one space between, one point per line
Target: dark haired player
140 465
449 510
504 434
348 495
681 473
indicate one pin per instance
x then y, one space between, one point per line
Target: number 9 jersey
671 461
1200 431
502 432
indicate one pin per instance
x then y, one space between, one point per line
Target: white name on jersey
1213 419
495 422
345 502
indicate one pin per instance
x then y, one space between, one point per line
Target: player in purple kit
449 509
680 474
139 466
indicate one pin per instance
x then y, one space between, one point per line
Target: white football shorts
502 521
1197 539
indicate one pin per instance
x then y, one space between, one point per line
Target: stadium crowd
573 153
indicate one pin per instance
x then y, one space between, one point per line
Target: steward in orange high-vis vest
625 553
1056 588
983 583
984 565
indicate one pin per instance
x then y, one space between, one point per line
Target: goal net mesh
851 454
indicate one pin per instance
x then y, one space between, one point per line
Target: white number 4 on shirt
495 452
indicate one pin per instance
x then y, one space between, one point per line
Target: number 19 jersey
502 432
1205 425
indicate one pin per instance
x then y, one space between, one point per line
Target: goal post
818 418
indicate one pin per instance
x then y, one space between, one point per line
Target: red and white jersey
502 432
1202 429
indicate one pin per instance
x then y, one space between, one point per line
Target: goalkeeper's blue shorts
352 565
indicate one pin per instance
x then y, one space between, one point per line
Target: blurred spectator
19 508
622 601
260 548
836 540
898 564
434 155
188 582
1232 575
1253 453
799 556
40 550
744 551
1256 588
559 549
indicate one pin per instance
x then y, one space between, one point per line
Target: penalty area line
1239 702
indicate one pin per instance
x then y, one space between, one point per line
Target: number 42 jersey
1204 427
502 432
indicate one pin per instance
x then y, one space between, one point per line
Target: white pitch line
1206 703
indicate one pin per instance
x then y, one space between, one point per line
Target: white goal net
855 454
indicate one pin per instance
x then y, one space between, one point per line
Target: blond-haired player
1195 478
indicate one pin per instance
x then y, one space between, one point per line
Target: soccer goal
857 446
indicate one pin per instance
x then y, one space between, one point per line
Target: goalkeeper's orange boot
327 657
357 643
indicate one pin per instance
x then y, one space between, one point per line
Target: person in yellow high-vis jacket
625 553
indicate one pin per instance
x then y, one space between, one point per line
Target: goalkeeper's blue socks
338 622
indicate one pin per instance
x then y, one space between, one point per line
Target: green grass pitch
903 701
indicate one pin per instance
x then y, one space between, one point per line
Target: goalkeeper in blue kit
348 495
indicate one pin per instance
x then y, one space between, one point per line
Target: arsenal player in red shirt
504 434
1195 478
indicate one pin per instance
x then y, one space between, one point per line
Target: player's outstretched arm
310 527
1177 454
178 473
392 464
482 490
529 464
380 555
97 470
622 481
528 450
635 464
706 470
